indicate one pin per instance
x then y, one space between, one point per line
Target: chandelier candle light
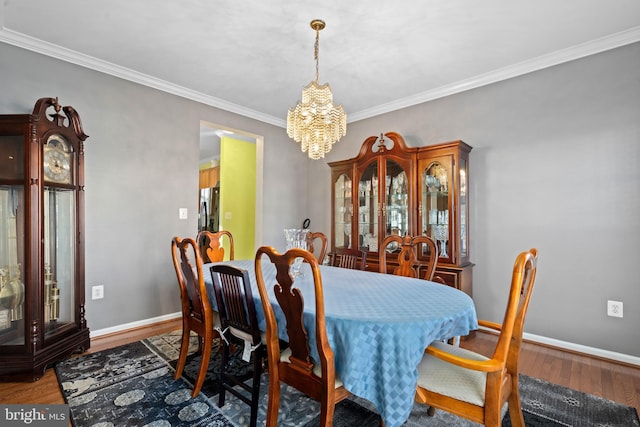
315 122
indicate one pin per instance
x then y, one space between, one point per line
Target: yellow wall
238 194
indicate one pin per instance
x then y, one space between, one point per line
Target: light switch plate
183 213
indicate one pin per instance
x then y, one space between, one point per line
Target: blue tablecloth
378 326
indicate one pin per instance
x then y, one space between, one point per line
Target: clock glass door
59 256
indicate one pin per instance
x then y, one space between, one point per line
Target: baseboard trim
134 325
579 348
551 342
599 353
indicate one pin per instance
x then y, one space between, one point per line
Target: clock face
57 160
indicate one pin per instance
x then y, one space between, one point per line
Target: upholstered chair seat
452 380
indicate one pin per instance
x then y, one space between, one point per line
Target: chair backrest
298 371
415 253
210 245
522 281
318 249
196 308
352 258
236 308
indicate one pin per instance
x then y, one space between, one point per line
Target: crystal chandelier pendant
315 122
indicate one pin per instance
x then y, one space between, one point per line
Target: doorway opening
230 189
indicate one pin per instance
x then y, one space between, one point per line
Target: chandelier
315 122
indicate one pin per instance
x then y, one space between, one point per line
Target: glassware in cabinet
343 210
434 203
397 199
368 207
342 201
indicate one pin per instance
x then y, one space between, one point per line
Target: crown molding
67 55
593 47
613 41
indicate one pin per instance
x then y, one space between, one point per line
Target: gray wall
141 167
555 165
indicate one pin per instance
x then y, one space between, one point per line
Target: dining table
378 326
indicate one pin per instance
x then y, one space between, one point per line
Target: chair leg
184 349
204 363
492 414
223 369
515 409
255 386
200 344
274 400
326 413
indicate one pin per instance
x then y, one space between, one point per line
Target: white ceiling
253 57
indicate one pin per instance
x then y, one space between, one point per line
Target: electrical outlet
614 308
97 292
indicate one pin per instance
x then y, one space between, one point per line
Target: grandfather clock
42 317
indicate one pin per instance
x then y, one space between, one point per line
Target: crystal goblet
441 234
296 238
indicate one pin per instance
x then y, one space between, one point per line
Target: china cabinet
389 188
42 315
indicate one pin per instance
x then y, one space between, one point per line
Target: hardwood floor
607 379
604 378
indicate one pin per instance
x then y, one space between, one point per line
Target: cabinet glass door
435 182
12 231
464 210
368 208
343 211
396 210
59 256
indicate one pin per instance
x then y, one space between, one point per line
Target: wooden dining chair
197 314
471 385
295 367
239 324
318 249
352 258
210 245
416 253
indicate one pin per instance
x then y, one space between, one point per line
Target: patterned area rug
133 385
168 347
